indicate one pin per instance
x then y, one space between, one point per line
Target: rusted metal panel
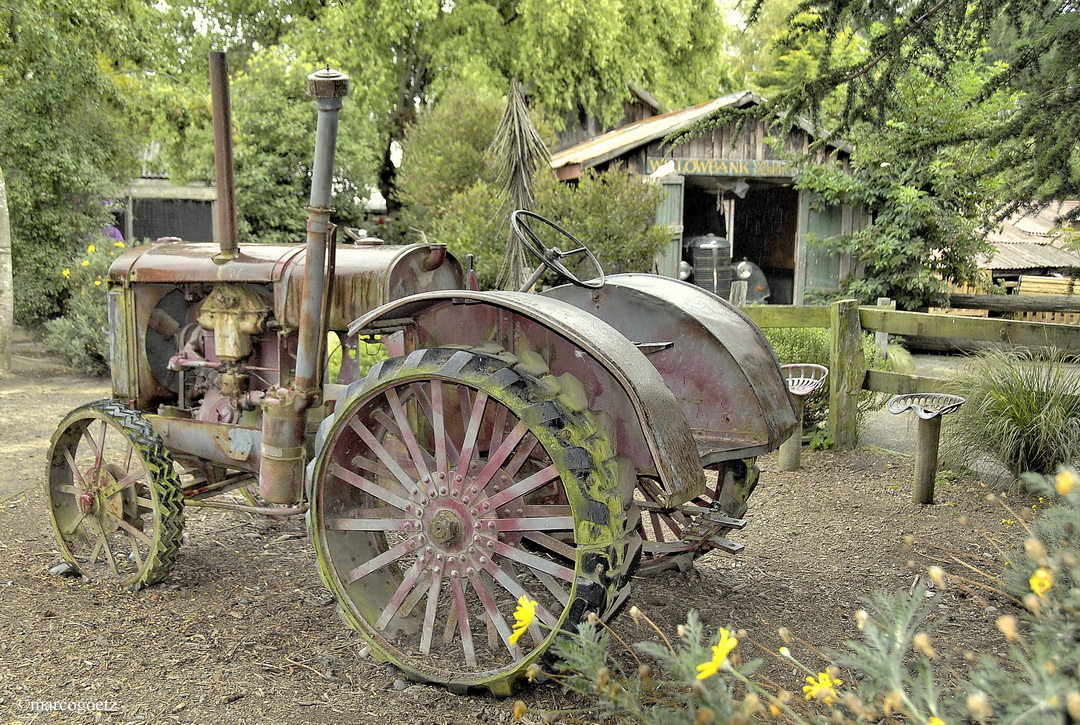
616 376
230 445
714 359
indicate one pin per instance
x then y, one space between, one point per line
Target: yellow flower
91 249
118 243
1065 482
1041 581
86 263
823 688
66 273
97 282
523 617
720 651
935 721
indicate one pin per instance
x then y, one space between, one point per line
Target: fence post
881 339
847 369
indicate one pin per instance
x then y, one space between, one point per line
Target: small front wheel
115 501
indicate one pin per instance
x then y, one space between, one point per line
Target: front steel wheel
449 484
115 502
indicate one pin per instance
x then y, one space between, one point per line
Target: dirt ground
243 631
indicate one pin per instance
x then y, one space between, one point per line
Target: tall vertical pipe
327 87
221 109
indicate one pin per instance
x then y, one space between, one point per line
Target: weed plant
80 337
892 673
1022 408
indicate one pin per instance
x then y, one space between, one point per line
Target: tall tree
66 138
573 57
1035 142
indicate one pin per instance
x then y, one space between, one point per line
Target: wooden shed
737 187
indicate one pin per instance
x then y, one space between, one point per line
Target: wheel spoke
123 483
552 544
108 551
468 446
75 525
141 535
510 584
496 459
74 468
387 557
383 455
521 456
366 524
534 562
429 613
458 590
358 481
537 523
494 615
406 433
402 593
524 487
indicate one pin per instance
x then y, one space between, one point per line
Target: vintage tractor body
510 445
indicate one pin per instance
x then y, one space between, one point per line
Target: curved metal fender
617 378
714 359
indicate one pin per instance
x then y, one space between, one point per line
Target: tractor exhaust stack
221 109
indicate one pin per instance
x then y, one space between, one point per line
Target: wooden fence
847 368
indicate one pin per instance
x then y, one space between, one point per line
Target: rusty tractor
511 444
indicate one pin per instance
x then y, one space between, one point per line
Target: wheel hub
445 528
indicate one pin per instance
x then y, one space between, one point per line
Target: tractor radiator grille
712 265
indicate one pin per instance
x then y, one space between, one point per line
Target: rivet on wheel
483 560
453 572
438 557
458 478
465 499
442 490
455 492
442 475
470 571
520 511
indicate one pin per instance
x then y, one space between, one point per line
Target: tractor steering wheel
551 257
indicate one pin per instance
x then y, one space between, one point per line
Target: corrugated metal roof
615 143
1023 256
1031 241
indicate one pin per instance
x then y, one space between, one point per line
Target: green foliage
450 189
1022 408
1034 142
892 671
80 336
927 200
65 134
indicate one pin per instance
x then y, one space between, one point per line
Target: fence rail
846 321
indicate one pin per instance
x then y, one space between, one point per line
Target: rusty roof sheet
615 143
1027 255
1032 241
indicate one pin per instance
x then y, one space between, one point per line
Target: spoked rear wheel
449 484
675 537
114 498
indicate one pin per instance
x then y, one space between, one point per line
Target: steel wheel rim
470 537
102 504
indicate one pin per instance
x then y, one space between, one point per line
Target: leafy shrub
893 672
1022 408
80 337
812 345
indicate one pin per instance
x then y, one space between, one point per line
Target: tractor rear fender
615 377
714 359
